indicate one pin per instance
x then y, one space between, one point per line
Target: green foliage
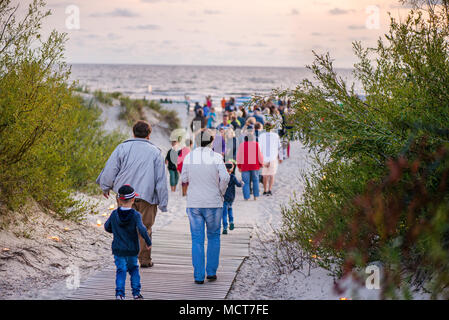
405 80
102 97
133 110
171 118
50 142
82 89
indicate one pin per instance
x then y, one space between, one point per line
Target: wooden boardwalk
171 278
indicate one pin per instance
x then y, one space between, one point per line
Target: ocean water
197 82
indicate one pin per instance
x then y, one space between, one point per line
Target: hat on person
127 192
229 165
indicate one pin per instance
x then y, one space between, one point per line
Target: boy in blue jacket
229 198
124 223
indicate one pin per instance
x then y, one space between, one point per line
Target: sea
174 83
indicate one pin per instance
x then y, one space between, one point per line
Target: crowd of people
248 127
252 139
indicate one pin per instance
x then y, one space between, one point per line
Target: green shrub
405 80
133 110
116 95
171 118
82 89
103 97
50 142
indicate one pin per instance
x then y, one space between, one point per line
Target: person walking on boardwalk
249 162
205 172
229 198
140 163
171 160
211 118
181 156
125 224
272 152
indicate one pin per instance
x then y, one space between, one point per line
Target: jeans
199 217
248 177
127 264
227 212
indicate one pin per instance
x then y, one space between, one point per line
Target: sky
217 32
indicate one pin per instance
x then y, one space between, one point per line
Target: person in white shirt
271 147
207 178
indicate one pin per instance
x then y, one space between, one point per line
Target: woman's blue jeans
250 177
199 219
127 264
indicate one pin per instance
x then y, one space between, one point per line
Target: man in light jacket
206 174
138 162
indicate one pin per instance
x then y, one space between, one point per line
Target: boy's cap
229 165
127 192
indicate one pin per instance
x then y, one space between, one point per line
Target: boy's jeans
248 177
127 264
199 217
227 212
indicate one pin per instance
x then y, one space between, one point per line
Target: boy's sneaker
265 193
231 226
269 193
199 281
225 231
119 298
212 278
139 297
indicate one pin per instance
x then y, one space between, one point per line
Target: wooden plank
184 289
172 276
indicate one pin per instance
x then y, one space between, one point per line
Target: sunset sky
217 32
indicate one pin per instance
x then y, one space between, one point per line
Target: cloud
59 5
401 6
356 27
113 36
212 12
272 35
294 12
338 11
234 44
109 36
155 1
260 44
145 27
123 13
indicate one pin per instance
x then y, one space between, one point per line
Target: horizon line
193 65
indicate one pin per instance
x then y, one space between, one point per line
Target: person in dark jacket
125 224
196 108
171 160
229 198
199 122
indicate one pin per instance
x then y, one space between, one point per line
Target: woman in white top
271 148
206 174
